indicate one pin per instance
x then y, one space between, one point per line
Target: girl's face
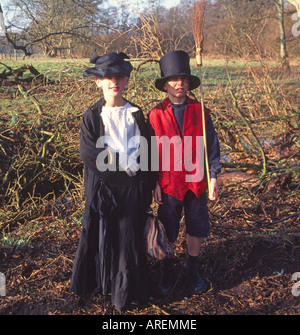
177 87
113 85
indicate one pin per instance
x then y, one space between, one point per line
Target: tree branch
235 106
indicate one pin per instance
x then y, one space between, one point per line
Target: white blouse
121 130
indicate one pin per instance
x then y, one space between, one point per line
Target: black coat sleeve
89 136
213 149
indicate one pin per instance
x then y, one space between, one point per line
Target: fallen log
17 74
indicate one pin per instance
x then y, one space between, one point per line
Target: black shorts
195 211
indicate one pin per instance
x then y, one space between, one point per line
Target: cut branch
198 29
198 36
236 108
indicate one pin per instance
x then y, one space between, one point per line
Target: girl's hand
157 194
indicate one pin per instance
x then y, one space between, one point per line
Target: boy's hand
214 189
157 194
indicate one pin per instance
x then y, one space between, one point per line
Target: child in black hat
176 124
110 257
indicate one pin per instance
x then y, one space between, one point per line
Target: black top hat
173 64
111 63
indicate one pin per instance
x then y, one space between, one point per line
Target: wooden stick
204 134
198 36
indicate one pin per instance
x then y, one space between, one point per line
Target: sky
170 3
166 3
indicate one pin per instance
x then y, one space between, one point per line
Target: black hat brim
194 81
111 64
101 74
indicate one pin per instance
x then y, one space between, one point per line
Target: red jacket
181 160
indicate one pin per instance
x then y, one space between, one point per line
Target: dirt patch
249 269
254 246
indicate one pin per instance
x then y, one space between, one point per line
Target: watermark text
296 26
296 286
2 285
167 154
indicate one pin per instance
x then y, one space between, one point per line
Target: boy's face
113 85
177 87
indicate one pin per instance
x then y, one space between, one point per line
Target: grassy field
254 245
213 71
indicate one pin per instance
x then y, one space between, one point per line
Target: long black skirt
125 229
111 257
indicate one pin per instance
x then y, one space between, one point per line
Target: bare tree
285 66
10 40
53 25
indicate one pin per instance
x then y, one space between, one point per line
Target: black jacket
92 128
91 265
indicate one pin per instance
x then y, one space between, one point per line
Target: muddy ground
249 259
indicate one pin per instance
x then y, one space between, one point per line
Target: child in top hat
110 257
176 124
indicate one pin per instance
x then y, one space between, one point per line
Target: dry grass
253 249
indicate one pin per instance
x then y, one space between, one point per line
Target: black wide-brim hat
173 64
110 63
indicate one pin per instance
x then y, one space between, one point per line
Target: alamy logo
2 285
295 30
167 154
296 286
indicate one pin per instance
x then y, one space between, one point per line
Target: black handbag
157 243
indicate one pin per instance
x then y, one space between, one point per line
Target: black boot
167 281
197 283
